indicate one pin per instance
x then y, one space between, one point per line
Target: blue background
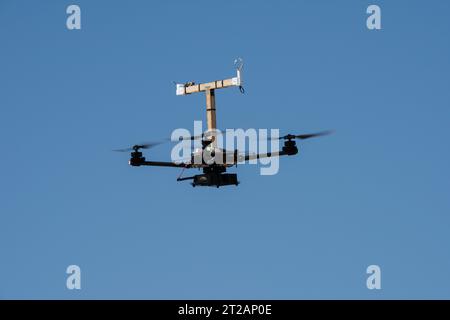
375 192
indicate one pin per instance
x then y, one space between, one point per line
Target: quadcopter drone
214 172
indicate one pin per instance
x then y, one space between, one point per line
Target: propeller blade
313 135
303 136
136 147
122 150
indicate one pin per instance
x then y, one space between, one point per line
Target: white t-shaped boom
209 89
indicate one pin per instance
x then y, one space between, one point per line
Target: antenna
209 89
239 64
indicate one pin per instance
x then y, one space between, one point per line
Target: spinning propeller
136 147
303 136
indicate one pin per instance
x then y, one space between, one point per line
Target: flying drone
214 172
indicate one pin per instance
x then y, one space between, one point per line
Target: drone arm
249 157
233 158
171 164
185 178
289 149
165 164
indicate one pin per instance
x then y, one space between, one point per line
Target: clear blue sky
376 192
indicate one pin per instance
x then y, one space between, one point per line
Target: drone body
214 169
